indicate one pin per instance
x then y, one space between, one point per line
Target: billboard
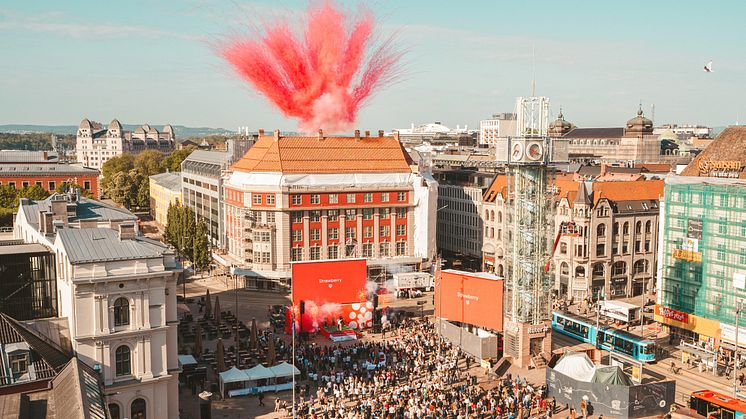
472 298
329 281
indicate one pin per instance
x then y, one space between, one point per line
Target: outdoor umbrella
271 355
252 342
220 356
198 340
208 305
216 317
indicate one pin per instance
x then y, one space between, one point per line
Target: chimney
367 134
45 156
127 231
261 132
357 134
59 209
396 135
320 134
380 133
277 135
45 222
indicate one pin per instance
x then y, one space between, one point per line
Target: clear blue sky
151 61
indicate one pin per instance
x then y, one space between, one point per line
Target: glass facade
28 287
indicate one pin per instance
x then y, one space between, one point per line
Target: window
499 217
350 198
263 257
598 270
87 185
315 253
270 216
401 196
368 214
385 197
315 234
51 186
315 216
367 197
296 199
401 229
137 409
647 245
367 232
350 233
315 199
638 246
270 199
297 235
121 312
401 213
720 252
122 361
625 228
638 227
333 233
600 249
564 269
257 199
332 252
296 216
615 248
25 184
350 213
333 198
384 212
12 184
384 231
625 248
19 363
114 412
367 250
401 248
641 266
580 272
616 229
350 249
563 248
296 254
619 268
384 249
332 215
601 230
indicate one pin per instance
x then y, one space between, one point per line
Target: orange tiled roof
655 167
628 191
729 145
499 186
325 155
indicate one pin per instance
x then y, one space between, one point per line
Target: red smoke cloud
321 77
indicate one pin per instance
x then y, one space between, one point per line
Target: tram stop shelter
691 351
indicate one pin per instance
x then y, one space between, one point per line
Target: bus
711 404
607 338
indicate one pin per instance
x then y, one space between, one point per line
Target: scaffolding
703 259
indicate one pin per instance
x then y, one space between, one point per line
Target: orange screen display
465 298
334 281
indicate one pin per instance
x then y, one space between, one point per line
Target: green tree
201 251
122 188
173 161
113 167
142 185
149 162
188 232
35 192
8 196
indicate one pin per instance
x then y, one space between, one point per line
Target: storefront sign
694 228
728 332
690 244
536 330
687 255
671 314
720 168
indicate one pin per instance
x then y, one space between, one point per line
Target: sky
154 61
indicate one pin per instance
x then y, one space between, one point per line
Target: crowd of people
413 374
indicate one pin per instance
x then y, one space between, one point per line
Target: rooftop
640 190
15 169
317 154
171 181
87 245
615 132
208 156
728 147
12 247
85 209
25 156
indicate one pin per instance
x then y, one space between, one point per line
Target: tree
201 247
149 162
173 162
8 196
188 232
173 225
122 188
142 183
112 167
35 193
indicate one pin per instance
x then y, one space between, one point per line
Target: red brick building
22 169
314 198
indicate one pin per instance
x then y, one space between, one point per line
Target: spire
582 196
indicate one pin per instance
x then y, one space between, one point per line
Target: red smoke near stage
322 77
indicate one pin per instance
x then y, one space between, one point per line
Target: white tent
576 365
233 375
187 360
260 372
284 370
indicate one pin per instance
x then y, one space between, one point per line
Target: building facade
95 144
202 189
23 169
117 291
29 285
165 190
312 198
501 125
703 245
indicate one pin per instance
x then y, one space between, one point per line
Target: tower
528 157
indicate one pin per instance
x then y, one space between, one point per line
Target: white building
95 145
501 125
118 292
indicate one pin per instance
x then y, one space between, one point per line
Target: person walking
261 399
584 408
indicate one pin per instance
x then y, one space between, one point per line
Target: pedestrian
584 408
261 399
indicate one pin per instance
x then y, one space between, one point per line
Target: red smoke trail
323 79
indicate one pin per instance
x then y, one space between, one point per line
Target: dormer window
19 363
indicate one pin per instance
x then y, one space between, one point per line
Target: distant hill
180 130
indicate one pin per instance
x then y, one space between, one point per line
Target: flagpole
292 316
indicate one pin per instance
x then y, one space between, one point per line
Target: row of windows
617 269
200 184
350 250
51 185
349 198
259 199
350 233
333 215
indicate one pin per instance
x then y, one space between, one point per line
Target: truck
619 310
413 281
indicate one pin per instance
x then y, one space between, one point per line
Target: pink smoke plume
322 77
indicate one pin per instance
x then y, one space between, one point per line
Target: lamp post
735 351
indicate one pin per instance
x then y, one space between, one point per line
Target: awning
702 353
187 360
260 372
284 370
234 375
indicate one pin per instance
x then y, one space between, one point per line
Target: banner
472 298
332 281
355 316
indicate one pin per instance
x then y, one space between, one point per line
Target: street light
739 306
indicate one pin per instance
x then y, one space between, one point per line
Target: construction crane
567 228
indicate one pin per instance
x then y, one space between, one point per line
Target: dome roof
168 128
146 127
85 123
140 130
115 125
639 124
560 126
